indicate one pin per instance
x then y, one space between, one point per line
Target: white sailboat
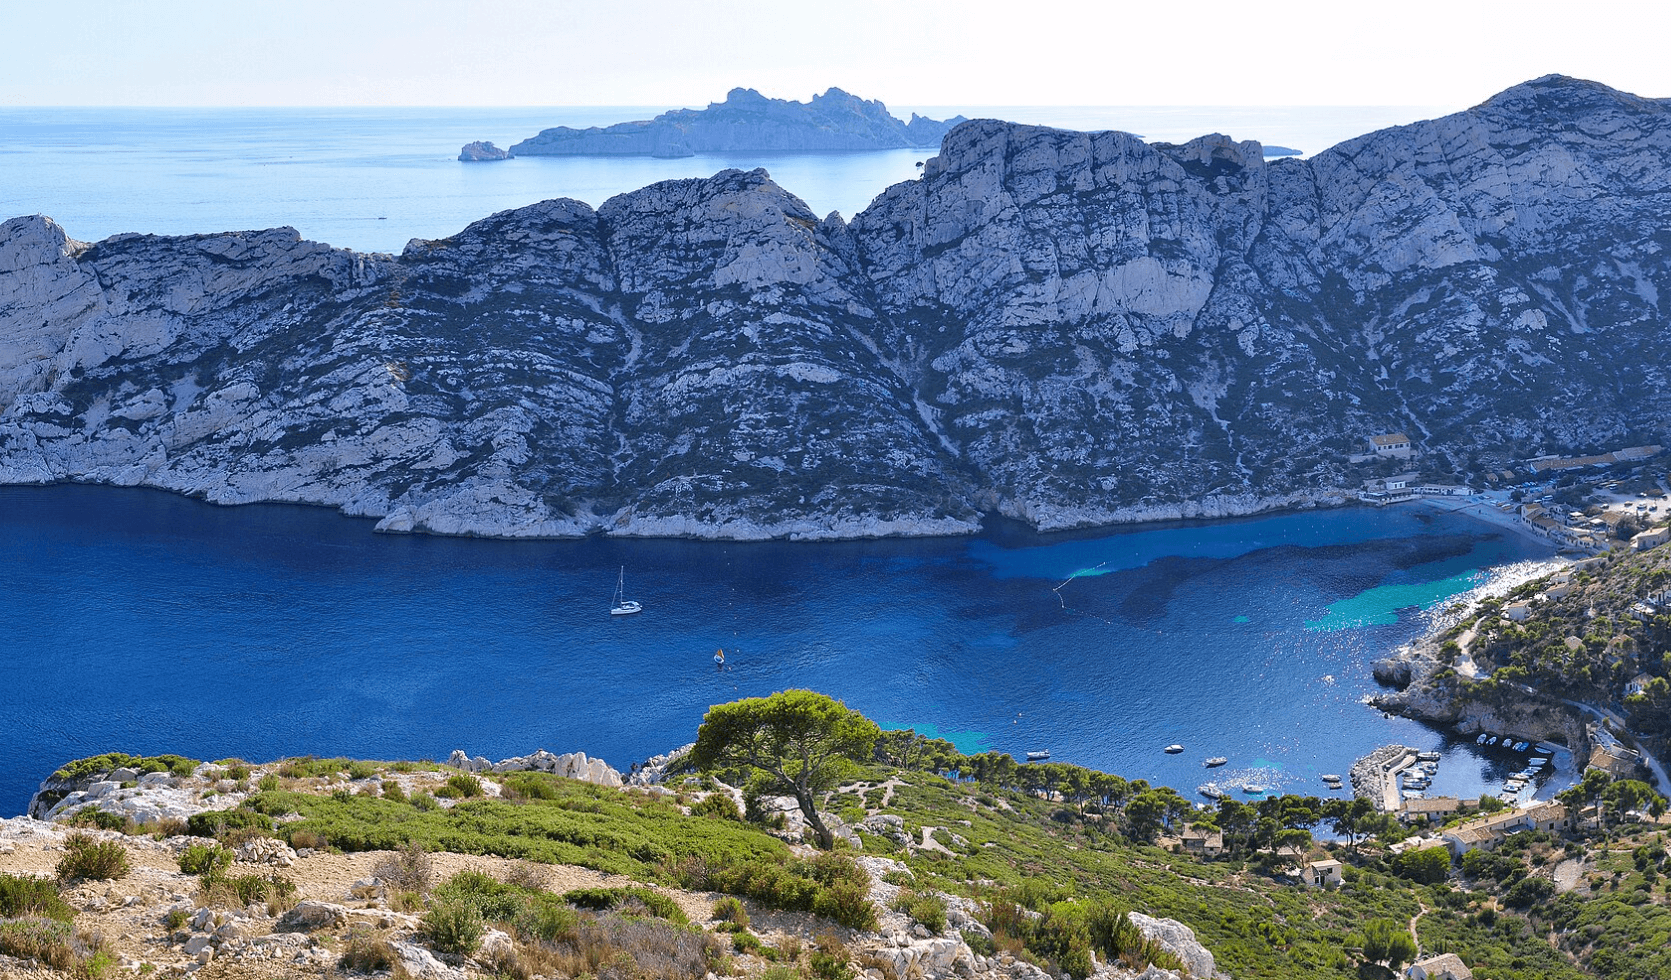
622 605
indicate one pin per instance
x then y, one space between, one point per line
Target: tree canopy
794 742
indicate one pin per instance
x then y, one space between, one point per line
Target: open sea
373 179
145 622
140 621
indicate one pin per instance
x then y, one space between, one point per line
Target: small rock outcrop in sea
481 151
1067 329
747 122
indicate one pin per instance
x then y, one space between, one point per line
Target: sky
1453 53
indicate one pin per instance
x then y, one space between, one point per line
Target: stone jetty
1375 776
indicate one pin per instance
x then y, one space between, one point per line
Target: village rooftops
1487 831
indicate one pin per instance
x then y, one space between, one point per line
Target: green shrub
274 891
361 770
93 860
393 791
100 819
453 927
929 911
24 896
729 909
530 786
493 899
48 940
461 785
746 942
175 919
205 859
365 951
718 805
218 823
548 922
424 802
628 900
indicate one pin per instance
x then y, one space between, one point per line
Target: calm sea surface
373 179
140 621
145 622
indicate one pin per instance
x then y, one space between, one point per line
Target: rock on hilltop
747 122
1066 328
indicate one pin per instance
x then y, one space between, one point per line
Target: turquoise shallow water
141 621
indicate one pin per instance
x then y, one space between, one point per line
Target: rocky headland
1068 329
747 122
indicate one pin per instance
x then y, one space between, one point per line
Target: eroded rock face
1070 329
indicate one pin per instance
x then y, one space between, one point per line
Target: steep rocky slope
1068 328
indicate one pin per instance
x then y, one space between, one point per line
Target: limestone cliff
1067 328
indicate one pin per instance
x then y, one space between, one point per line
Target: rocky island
747 122
1069 329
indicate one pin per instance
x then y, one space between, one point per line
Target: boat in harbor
1039 755
1253 789
1211 791
1174 749
1491 741
1481 739
622 606
1215 762
1427 757
1330 777
1520 746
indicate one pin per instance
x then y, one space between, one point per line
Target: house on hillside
1320 874
1391 445
1486 832
1638 684
1517 611
1202 843
1445 966
1651 538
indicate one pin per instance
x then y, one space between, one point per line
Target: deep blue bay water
146 622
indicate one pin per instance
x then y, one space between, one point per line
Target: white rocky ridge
1069 329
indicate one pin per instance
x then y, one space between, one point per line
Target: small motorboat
1330 777
1174 749
1520 746
1211 791
1039 756
1427 757
1253 789
1215 762
1481 739
1491 741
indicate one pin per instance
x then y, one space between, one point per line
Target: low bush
100 819
205 859
90 859
57 945
24 896
529 786
407 870
718 805
929 911
631 900
361 770
730 910
461 786
275 892
219 823
366 951
393 791
453 927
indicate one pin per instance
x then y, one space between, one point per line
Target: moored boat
1215 761
1039 755
1174 749
623 606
